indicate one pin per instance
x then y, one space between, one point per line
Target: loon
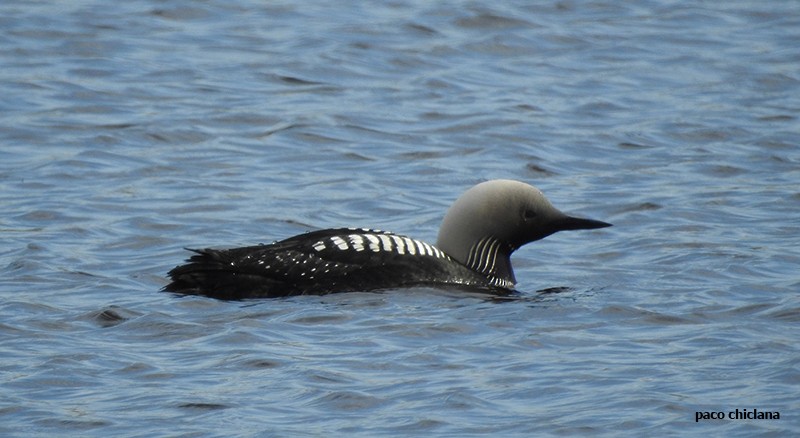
473 249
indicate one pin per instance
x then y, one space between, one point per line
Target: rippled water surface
134 129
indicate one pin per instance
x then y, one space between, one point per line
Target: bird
478 234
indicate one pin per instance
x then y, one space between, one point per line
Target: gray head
492 219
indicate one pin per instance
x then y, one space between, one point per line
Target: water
131 131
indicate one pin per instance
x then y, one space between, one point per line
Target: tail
210 273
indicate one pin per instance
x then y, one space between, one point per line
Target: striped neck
492 258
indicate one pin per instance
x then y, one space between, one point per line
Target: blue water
131 130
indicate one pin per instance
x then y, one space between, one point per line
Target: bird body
476 239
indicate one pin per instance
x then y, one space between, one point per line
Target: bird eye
529 215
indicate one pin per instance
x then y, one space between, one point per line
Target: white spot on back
357 240
400 245
421 247
374 242
339 242
319 246
386 242
412 249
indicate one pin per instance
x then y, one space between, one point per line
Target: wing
319 262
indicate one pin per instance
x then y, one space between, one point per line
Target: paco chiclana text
743 414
